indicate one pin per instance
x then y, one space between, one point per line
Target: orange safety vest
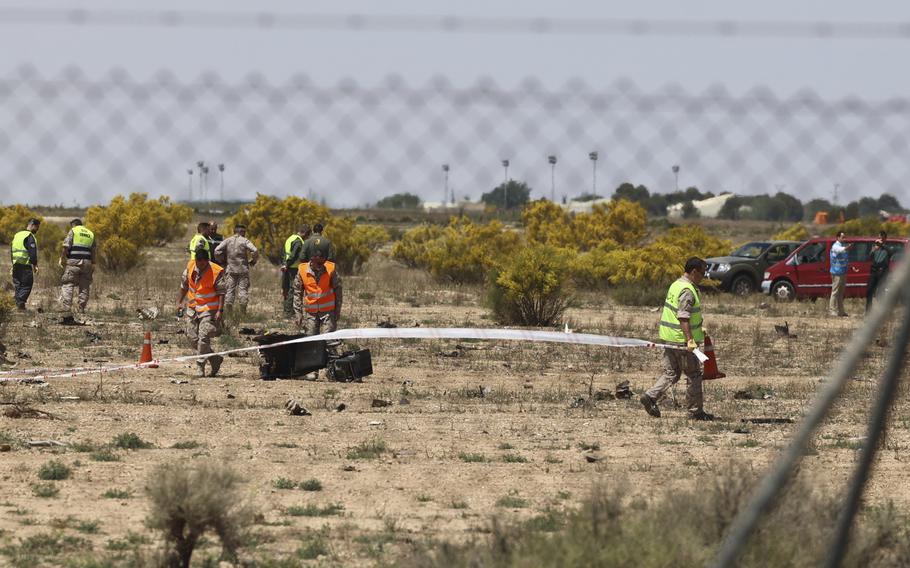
202 294
318 295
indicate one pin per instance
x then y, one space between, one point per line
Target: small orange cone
146 355
711 371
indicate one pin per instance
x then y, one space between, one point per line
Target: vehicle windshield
751 250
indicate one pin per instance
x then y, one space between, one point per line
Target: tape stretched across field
364 333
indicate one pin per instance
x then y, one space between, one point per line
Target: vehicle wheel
742 285
783 291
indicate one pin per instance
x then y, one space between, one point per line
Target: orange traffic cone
146 355
711 371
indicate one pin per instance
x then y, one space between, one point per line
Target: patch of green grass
131 441
458 505
45 490
512 501
105 455
130 541
285 445
315 510
117 494
506 446
282 483
552 459
691 462
83 447
188 445
472 458
514 458
312 547
54 471
589 447
563 495
749 443
312 484
424 498
368 450
35 550
549 521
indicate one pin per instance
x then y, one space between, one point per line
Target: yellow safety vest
287 249
199 241
18 250
83 239
670 329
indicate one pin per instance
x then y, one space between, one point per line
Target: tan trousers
200 330
676 362
238 289
77 280
836 303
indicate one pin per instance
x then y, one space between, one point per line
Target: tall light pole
593 157
834 202
675 169
189 187
205 179
221 174
445 184
199 165
552 162
505 184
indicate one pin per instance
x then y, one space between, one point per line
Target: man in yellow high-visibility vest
681 329
77 260
293 256
24 254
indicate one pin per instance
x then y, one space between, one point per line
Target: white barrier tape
374 333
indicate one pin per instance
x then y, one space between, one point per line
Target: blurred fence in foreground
72 138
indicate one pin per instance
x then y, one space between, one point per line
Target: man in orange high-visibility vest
203 285
320 293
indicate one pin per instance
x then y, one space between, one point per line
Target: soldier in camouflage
239 254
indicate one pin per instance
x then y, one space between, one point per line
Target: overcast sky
870 68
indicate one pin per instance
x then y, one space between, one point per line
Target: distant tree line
781 206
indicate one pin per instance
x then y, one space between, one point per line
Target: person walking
24 255
77 260
239 254
200 241
202 285
839 257
293 256
681 329
881 263
317 239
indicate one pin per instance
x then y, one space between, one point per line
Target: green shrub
367 450
312 510
139 220
795 232
45 490
54 471
190 499
531 287
116 254
311 485
131 441
270 221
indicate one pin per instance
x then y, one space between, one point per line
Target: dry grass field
476 431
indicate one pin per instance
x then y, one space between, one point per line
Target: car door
859 263
812 276
775 254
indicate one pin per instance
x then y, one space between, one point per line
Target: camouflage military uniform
77 275
202 328
237 250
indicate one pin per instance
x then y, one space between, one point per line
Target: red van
805 273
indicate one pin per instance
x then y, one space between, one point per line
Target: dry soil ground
476 429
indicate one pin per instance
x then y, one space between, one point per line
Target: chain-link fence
74 138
